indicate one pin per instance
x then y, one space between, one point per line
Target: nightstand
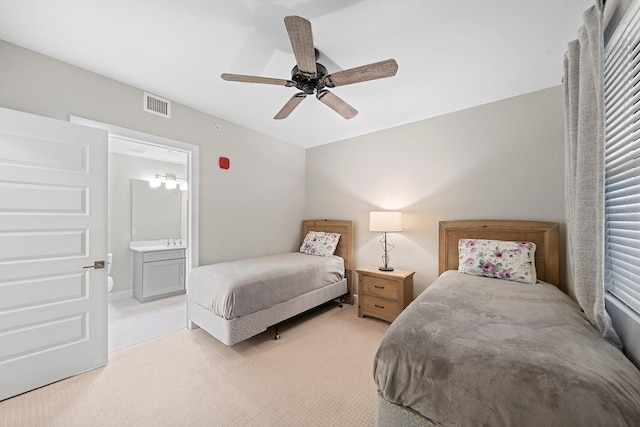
384 294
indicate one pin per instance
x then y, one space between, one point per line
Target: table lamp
385 221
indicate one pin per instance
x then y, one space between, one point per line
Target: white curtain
584 168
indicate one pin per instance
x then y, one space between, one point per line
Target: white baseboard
116 296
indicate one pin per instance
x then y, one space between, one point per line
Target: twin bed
234 301
510 349
474 350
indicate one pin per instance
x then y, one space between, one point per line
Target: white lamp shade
385 221
155 182
170 183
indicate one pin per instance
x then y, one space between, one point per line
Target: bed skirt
232 331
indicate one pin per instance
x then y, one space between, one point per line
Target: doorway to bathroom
144 213
141 215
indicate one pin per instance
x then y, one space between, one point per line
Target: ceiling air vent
156 105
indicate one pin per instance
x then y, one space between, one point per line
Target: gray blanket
479 351
237 288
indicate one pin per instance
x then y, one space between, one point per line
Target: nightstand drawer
381 308
383 294
383 288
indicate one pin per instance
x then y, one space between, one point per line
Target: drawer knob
379 306
379 287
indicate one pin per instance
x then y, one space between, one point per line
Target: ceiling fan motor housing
309 84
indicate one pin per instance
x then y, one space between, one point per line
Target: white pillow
320 243
498 258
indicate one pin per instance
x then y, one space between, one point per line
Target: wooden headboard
543 234
345 244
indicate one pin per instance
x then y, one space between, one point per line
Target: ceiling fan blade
377 70
290 105
337 104
301 37
256 79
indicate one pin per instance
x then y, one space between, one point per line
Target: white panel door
53 223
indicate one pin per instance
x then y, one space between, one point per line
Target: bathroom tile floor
131 322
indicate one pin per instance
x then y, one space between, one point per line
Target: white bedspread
237 288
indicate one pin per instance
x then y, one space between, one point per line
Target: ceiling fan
311 77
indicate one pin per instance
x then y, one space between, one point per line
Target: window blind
622 160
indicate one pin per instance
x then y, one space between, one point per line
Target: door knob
97 265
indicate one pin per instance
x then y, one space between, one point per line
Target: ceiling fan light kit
311 77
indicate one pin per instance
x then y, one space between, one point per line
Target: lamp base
385 268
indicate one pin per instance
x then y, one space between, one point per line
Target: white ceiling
451 54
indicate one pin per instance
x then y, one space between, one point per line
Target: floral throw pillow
497 258
320 243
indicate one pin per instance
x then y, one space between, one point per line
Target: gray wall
253 208
502 160
122 169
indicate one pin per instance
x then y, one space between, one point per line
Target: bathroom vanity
158 271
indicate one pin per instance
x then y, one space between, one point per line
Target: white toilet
109 278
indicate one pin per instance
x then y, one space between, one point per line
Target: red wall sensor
224 162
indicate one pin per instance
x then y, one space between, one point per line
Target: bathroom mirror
157 213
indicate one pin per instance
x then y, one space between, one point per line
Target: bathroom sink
158 248
154 246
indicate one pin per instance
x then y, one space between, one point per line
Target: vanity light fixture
155 182
170 181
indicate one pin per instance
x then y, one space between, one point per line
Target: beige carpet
318 374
